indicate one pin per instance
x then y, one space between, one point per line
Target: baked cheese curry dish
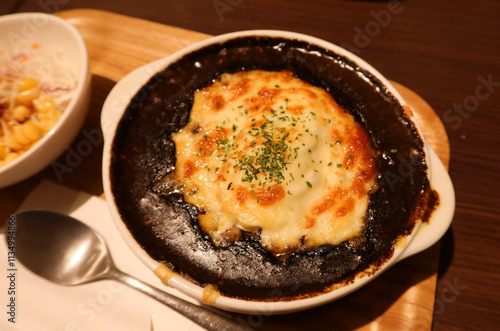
267 153
268 169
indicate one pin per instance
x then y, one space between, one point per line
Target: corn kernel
28 84
26 97
46 125
3 151
20 113
43 116
31 131
44 104
14 144
10 157
19 137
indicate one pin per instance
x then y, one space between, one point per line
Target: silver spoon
66 251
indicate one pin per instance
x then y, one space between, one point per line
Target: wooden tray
400 299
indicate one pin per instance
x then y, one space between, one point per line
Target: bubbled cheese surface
268 153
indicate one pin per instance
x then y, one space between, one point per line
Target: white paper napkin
104 305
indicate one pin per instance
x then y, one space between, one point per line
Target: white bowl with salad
44 92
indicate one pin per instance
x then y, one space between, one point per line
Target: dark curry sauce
166 226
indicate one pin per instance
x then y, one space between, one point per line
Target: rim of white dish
82 75
126 89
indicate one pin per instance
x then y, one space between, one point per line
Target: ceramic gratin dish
422 236
52 33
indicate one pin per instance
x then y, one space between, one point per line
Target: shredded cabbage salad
36 86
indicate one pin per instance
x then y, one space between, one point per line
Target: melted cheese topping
164 273
210 294
268 153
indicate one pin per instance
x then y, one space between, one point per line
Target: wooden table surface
448 52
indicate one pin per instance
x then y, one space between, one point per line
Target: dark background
444 51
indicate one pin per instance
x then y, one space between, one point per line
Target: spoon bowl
66 251
60 249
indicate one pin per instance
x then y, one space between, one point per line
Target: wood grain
8 6
438 49
400 299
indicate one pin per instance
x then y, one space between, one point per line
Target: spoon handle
205 318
